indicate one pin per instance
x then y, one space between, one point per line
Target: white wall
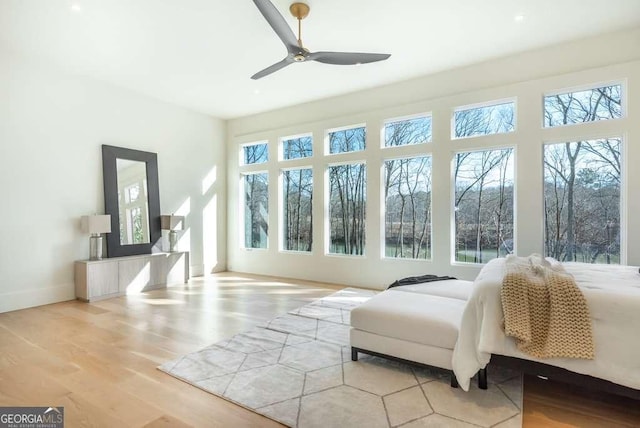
52 126
526 77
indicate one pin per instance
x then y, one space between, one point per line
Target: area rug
297 370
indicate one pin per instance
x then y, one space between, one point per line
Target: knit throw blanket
544 310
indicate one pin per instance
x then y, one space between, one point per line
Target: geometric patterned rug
297 370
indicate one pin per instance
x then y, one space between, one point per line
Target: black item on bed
419 280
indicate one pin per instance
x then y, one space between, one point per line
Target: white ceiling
201 53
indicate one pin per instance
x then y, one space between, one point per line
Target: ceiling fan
296 50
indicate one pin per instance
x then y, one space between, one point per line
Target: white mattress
613 296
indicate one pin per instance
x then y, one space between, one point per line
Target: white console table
102 279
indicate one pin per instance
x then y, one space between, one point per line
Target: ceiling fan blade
272 68
346 58
279 25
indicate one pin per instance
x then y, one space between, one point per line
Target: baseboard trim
196 270
23 299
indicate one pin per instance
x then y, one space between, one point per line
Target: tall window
297 147
483 205
590 105
407 131
297 189
485 120
347 203
255 153
407 193
347 140
256 210
582 201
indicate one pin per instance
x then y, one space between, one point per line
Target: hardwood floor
99 360
553 404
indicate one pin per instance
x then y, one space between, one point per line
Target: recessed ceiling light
76 7
518 18
256 91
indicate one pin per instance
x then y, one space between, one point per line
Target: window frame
327 139
624 195
383 204
242 209
585 87
241 156
281 141
403 119
281 211
327 209
509 100
452 198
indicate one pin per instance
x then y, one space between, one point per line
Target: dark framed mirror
132 198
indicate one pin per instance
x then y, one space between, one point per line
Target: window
407 195
256 210
297 147
582 201
297 197
347 140
255 153
485 120
407 131
483 205
347 200
583 106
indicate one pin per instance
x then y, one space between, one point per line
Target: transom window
402 132
603 103
297 147
347 140
255 153
488 119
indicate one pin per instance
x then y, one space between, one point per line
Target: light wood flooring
99 360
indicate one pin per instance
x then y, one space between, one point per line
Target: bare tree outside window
297 188
347 208
590 105
256 210
483 205
347 140
582 180
296 148
582 201
489 119
409 131
407 192
255 153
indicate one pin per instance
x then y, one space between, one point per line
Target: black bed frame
528 367
563 375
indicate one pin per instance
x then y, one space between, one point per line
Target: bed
613 296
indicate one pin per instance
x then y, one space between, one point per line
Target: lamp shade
171 222
96 224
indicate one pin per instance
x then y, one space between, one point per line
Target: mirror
133 208
131 197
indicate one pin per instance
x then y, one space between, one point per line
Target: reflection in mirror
133 203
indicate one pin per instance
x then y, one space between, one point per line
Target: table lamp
172 223
96 225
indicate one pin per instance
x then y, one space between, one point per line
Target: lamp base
95 247
173 241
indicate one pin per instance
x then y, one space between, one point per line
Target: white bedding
613 296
